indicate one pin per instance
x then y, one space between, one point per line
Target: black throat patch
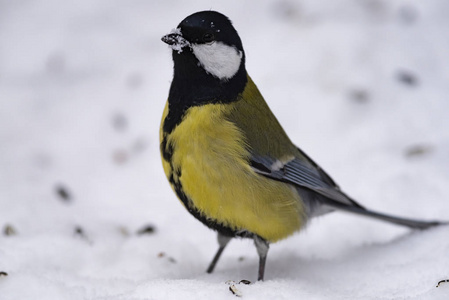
193 86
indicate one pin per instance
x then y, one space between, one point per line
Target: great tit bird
225 154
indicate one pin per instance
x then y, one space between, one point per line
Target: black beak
172 38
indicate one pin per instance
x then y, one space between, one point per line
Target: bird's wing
309 176
324 176
301 174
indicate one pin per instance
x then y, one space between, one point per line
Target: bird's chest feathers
206 144
209 162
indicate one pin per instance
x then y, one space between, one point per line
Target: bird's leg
262 249
222 242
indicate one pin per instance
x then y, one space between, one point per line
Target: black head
205 27
209 63
213 41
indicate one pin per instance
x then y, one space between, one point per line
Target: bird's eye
208 37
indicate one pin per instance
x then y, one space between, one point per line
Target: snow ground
360 85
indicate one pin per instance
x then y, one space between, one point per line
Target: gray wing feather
327 193
300 174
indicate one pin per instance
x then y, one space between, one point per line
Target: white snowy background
361 85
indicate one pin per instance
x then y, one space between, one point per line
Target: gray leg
222 242
262 249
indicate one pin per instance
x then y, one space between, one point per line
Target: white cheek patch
218 59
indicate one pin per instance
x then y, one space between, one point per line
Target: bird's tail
415 224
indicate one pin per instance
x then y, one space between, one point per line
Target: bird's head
208 41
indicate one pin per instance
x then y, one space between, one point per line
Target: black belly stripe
166 150
174 116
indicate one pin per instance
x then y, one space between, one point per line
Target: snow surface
361 85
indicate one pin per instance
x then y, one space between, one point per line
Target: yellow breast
211 156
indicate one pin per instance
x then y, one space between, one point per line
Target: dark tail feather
415 224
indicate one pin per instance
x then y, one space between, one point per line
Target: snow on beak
175 40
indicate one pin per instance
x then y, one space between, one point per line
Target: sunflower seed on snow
235 291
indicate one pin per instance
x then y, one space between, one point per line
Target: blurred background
360 85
